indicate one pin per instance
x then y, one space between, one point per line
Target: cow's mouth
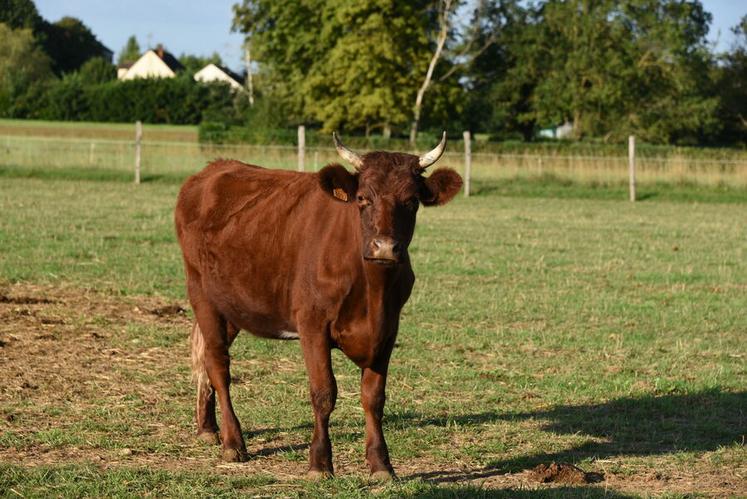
387 262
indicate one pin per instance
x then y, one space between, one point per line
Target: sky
200 27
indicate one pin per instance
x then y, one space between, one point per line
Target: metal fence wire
184 158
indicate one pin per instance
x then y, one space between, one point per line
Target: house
563 131
155 63
213 72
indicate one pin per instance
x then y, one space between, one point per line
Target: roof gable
154 63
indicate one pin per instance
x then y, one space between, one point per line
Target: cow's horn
345 153
431 157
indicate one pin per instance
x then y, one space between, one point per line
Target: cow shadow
628 426
472 491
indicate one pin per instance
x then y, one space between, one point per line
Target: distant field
86 130
597 332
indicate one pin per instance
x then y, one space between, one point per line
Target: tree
613 67
194 63
70 43
493 42
22 64
731 86
445 12
130 52
342 64
20 14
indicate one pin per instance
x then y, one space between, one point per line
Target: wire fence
159 158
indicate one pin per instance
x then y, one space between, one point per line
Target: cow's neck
379 283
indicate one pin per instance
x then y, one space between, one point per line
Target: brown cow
321 257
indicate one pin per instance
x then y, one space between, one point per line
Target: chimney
159 50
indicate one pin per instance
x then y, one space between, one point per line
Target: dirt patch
58 341
168 310
563 473
23 300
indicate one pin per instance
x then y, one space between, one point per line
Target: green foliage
130 52
70 43
731 85
23 66
613 68
178 100
194 63
98 70
20 14
510 68
339 63
65 100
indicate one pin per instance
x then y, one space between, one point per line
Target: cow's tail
199 373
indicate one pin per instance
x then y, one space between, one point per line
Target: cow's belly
264 316
262 325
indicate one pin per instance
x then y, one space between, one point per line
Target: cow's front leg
373 396
323 388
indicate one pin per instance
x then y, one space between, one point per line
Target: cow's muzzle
383 250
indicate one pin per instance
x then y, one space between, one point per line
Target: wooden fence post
467 162
301 147
138 140
631 166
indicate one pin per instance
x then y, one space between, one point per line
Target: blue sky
202 27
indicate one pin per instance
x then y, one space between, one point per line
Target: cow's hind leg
207 426
216 361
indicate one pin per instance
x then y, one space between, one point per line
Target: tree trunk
443 21
249 83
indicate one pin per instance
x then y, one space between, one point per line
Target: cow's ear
339 183
440 187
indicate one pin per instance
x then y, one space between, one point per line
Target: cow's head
388 189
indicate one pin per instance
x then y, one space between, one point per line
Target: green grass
594 331
538 186
90 481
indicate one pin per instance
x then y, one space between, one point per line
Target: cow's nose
384 248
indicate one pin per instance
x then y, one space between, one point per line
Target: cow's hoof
382 476
317 475
234 455
209 437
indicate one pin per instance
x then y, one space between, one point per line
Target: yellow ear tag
340 194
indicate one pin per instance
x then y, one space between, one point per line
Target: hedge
178 100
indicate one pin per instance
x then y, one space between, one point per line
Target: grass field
593 331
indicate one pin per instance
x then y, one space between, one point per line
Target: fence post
467 162
631 166
138 140
301 147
